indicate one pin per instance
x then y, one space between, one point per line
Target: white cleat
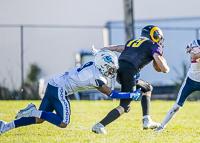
149 124
26 112
99 129
2 126
159 129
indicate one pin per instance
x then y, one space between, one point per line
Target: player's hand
94 50
189 48
135 95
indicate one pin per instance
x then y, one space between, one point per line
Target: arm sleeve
158 49
99 83
123 95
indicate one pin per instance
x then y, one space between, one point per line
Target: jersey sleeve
158 49
99 83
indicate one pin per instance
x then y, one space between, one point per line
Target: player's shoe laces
2 126
149 124
159 129
26 112
99 129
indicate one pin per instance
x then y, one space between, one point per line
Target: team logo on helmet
108 59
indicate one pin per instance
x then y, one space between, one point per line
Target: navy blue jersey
139 53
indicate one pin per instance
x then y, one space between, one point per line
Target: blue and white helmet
107 63
195 43
195 46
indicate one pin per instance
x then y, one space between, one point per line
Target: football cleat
99 129
159 129
2 126
26 112
149 124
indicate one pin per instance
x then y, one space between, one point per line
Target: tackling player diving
93 75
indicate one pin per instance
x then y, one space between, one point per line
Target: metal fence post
22 65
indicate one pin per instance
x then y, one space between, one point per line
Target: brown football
156 67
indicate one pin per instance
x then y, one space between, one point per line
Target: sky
53 49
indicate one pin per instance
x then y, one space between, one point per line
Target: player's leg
62 107
25 116
46 108
127 82
4 126
186 89
146 89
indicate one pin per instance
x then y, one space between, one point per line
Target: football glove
135 95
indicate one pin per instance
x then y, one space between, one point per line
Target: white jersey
79 79
194 70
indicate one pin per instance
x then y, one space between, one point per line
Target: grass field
127 129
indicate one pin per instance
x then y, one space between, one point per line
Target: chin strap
126 95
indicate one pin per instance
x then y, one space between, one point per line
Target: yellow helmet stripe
152 31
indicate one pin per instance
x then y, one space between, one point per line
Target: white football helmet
107 63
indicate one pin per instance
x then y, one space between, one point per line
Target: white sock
146 116
8 126
36 113
171 113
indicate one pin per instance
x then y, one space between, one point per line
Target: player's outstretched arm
161 62
117 48
121 95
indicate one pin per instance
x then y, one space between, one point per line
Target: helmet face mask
107 63
153 33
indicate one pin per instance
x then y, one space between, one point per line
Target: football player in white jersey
91 76
190 84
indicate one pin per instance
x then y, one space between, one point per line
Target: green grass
185 127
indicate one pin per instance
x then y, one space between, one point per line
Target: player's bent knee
148 93
63 125
147 90
120 109
39 121
126 109
150 87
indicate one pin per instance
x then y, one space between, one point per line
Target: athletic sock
170 115
24 121
112 115
36 113
51 117
145 102
146 116
8 126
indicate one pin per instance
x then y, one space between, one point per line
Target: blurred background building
50 33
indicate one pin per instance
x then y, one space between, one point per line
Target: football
156 67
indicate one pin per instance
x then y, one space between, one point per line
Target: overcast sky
91 12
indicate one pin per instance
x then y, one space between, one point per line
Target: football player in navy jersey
135 54
190 84
93 75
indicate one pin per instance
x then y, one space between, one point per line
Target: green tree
33 74
31 82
